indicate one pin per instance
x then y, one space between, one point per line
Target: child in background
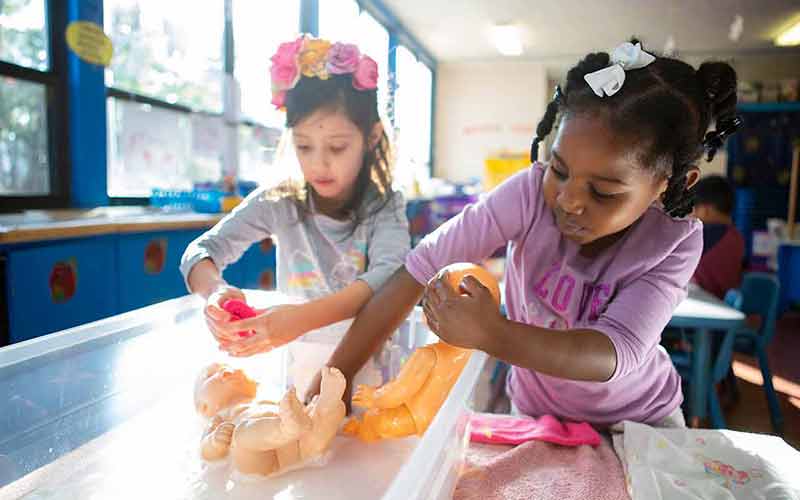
600 251
720 267
341 232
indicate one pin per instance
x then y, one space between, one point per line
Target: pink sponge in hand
239 310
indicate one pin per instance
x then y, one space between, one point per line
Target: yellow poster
88 41
500 167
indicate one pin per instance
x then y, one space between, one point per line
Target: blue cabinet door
255 269
60 285
148 267
178 241
234 273
259 266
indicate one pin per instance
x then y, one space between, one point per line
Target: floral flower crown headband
318 58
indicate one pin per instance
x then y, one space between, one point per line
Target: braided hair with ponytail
665 108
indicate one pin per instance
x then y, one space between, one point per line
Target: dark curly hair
374 179
664 108
716 191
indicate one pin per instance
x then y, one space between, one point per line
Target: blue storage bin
208 202
246 187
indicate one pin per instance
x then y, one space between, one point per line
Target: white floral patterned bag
706 464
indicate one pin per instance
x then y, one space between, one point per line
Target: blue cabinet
55 285
148 267
60 285
255 269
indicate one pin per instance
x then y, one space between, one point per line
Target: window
160 54
23 35
257 150
341 21
23 138
413 101
31 108
156 147
180 111
165 103
189 91
256 38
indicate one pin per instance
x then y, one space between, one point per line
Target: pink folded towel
508 429
541 471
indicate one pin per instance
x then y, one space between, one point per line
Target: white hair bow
625 57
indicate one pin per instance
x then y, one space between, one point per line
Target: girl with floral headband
599 246
341 231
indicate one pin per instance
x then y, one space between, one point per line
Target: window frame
54 80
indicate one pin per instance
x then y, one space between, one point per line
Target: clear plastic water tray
105 411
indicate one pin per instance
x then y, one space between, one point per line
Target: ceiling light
789 36
737 26
507 39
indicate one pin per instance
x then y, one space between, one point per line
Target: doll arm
216 440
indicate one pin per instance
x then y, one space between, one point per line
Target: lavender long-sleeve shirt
628 293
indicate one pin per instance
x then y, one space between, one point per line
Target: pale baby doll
265 442
219 387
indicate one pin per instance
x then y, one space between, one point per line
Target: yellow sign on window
89 43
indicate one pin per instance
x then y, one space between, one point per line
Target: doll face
219 387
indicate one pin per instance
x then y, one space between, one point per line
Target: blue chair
722 364
497 386
759 294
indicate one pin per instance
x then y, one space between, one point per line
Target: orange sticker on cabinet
63 280
266 281
155 253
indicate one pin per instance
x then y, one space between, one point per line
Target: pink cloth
507 429
541 471
239 310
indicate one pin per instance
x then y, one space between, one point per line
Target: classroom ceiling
558 32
